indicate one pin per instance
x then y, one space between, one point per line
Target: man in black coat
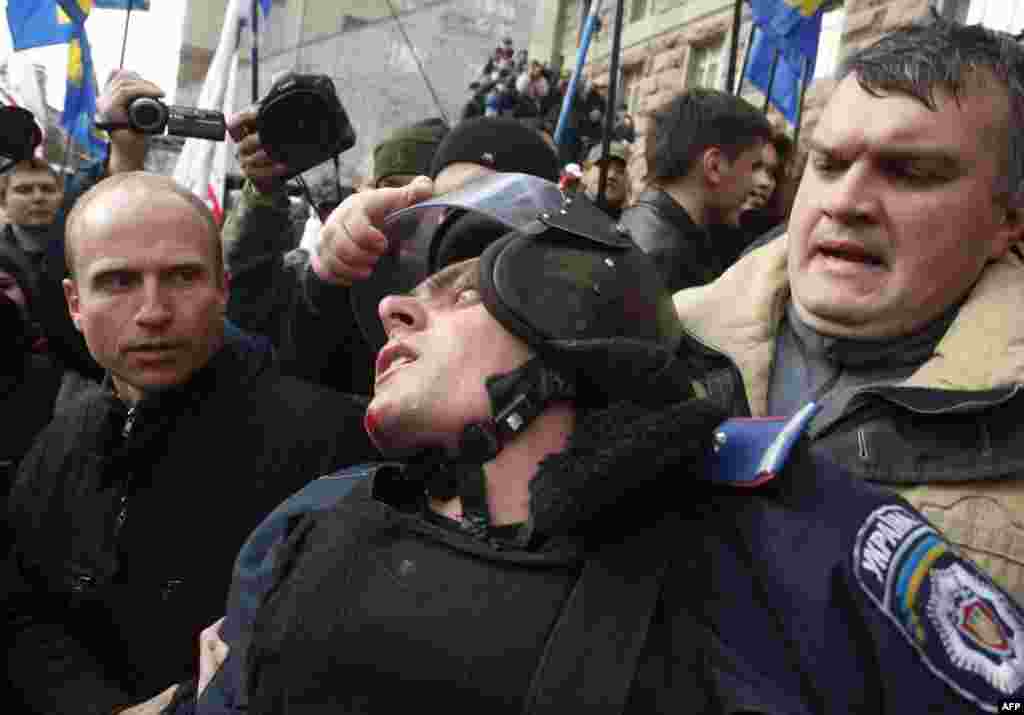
130 507
702 160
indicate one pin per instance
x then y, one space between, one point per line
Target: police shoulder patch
966 630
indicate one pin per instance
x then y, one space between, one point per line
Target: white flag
997 15
196 164
33 94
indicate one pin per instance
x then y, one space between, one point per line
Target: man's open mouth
393 357
850 252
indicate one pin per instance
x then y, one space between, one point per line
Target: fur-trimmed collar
618 463
982 350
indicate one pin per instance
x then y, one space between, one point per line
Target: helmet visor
512 200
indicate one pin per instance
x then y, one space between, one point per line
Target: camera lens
147 114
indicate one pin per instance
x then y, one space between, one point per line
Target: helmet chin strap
516 398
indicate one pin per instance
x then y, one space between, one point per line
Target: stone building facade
364 50
671 45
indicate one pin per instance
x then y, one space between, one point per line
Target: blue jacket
802 591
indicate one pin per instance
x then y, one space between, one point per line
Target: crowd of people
497 439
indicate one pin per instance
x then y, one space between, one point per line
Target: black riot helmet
557 273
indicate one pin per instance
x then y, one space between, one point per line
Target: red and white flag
202 165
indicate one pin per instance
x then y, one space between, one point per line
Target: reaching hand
153 706
351 242
212 654
122 87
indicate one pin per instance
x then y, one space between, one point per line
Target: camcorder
151 116
19 135
301 122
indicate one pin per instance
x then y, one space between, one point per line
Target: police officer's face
33 198
898 211
442 346
147 293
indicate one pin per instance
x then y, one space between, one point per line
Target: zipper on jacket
122 511
129 422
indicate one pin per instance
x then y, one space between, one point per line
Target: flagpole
124 42
771 81
609 114
738 90
255 51
737 14
581 60
800 106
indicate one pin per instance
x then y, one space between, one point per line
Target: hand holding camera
130 102
121 89
299 123
266 174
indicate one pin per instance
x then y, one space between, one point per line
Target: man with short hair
112 577
706 147
894 299
617 188
766 206
33 196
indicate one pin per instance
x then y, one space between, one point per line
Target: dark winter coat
50 308
682 250
126 524
669 591
275 293
28 391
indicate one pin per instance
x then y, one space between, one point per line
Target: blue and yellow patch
968 632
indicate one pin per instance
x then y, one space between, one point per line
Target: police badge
967 631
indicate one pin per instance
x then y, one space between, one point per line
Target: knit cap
499 143
408 150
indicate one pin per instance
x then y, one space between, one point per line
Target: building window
704 67
637 10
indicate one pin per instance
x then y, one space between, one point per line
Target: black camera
301 122
151 116
19 134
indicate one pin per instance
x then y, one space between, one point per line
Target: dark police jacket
126 526
665 579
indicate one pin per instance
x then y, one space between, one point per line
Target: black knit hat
408 150
499 143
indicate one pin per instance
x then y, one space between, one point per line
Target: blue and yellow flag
80 94
35 23
790 29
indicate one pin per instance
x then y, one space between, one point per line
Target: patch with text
968 632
